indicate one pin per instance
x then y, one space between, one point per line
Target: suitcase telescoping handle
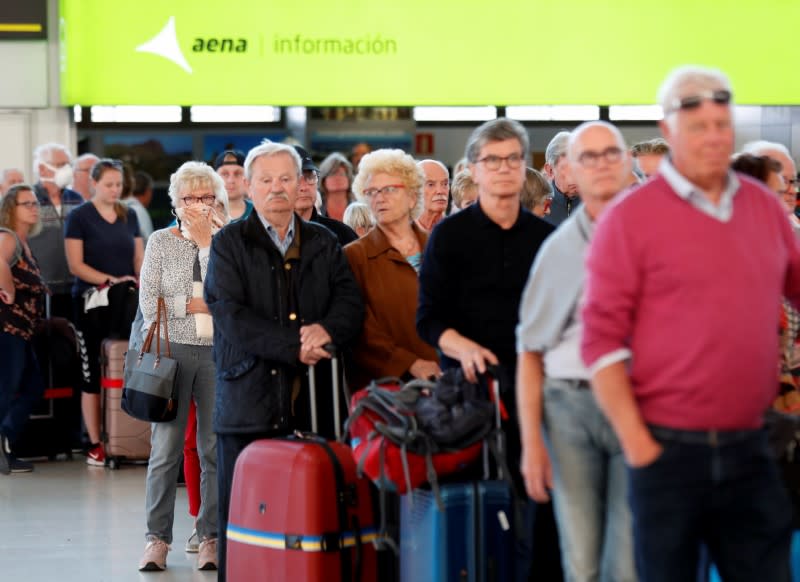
312 389
493 378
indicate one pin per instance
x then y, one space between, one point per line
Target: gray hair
268 148
572 138
556 149
656 146
759 147
396 163
432 161
43 154
7 171
330 165
462 182
500 129
535 190
358 215
193 175
688 80
87 156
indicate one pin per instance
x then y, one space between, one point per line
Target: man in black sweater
473 273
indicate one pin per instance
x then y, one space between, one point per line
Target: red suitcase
299 512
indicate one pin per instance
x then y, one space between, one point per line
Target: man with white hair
577 456
280 290
781 154
80 174
436 192
565 191
10 177
52 168
680 317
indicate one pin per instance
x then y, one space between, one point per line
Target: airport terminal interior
157 84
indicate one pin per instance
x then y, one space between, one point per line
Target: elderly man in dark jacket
279 290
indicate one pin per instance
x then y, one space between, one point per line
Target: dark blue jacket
257 319
562 206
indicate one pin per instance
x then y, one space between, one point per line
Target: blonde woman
359 217
386 264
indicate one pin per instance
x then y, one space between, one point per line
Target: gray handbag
149 391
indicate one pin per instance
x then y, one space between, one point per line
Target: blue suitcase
471 540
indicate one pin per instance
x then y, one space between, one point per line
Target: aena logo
165 44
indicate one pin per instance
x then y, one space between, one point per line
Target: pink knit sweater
696 300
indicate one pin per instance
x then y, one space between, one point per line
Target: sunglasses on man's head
720 97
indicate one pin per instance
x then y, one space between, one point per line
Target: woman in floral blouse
21 304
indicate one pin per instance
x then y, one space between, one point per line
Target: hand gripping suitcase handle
312 389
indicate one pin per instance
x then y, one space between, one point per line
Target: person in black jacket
280 290
307 196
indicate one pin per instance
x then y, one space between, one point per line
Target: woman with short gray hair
174 267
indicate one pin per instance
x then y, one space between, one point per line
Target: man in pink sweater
683 294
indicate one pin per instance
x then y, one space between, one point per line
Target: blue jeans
21 385
196 379
590 489
717 488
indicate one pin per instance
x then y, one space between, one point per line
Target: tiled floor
66 522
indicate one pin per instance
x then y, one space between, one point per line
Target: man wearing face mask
52 165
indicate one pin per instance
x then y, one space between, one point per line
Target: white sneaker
193 543
155 555
207 557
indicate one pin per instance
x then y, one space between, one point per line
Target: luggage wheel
113 463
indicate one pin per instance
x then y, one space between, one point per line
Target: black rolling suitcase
54 426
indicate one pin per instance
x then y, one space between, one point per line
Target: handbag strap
155 330
162 308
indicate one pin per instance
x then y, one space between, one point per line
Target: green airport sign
418 52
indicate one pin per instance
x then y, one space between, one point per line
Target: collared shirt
282 245
723 211
549 315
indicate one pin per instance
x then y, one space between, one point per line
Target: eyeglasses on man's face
494 162
208 200
309 176
388 190
30 204
791 183
590 159
720 97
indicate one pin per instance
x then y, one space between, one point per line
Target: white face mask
62 176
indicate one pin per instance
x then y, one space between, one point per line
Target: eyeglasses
30 205
791 183
590 159
720 97
309 176
494 162
207 200
388 190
